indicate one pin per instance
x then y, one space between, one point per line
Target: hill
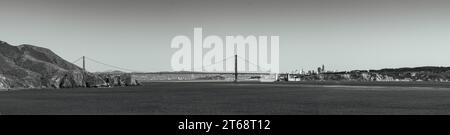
28 66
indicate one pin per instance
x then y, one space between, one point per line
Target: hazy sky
136 34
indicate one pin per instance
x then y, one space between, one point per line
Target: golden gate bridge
236 73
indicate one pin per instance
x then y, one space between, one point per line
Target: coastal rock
3 83
119 79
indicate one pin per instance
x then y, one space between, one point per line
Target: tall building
323 68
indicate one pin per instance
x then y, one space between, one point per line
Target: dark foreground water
229 98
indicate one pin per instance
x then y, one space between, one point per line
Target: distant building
323 68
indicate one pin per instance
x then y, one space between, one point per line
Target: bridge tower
84 63
235 68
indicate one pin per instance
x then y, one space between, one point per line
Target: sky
136 34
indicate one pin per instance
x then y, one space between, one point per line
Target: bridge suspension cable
259 67
215 63
112 66
202 68
77 60
104 64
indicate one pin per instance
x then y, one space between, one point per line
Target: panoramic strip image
224 57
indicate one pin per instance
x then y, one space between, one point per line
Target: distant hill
111 72
415 69
28 66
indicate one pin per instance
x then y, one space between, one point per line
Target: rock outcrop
119 79
28 66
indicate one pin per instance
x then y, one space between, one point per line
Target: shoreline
348 84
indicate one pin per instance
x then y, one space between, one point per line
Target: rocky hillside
28 66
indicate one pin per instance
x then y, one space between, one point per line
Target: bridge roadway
186 76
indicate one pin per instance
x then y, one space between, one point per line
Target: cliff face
28 66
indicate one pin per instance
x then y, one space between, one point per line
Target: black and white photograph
196 60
